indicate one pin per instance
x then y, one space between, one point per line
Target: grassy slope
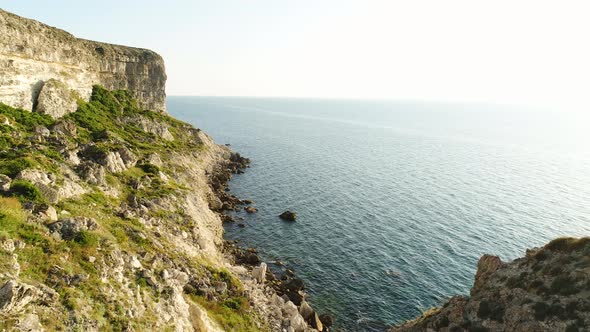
99 123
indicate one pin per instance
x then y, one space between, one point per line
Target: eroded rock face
33 54
15 296
56 99
548 290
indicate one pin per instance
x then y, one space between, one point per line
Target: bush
568 244
13 167
26 190
563 285
86 239
491 310
28 120
150 169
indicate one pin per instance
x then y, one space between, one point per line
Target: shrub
568 244
28 120
86 239
13 167
563 285
26 190
491 310
150 169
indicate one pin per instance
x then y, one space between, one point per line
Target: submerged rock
288 215
250 209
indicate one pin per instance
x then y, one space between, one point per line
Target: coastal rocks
259 273
250 209
55 99
69 228
547 290
288 215
486 266
246 257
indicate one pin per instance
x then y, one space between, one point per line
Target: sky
515 52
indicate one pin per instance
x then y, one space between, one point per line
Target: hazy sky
532 52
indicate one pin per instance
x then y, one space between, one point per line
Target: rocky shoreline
287 291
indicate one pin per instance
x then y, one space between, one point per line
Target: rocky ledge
547 290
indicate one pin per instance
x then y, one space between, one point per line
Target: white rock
4 182
134 262
298 323
56 99
91 259
7 245
50 213
259 272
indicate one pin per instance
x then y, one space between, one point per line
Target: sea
397 200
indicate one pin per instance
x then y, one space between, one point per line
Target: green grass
25 190
232 314
15 166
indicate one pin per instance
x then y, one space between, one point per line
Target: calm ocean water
397 201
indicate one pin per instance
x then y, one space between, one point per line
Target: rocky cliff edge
547 290
33 54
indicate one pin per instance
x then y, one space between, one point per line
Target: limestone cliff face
31 53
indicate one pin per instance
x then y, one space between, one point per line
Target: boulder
326 319
15 296
215 203
316 322
67 128
288 215
47 212
56 99
259 272
69 228
305 310
250 209
5 183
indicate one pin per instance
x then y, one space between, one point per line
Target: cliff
31 53
547 290
110 213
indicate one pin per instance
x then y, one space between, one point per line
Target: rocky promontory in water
110 210
547 290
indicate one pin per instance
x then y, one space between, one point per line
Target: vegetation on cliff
99 229
547 290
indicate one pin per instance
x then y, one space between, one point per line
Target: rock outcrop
547 290
41 66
